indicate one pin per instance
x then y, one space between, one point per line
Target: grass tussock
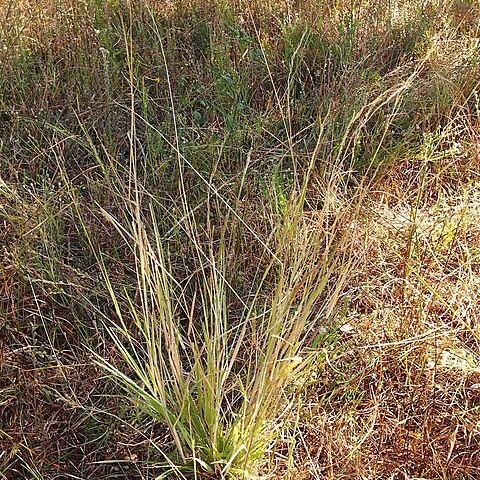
239 239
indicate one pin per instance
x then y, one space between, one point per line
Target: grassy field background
239 239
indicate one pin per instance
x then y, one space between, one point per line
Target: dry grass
398 395
373 105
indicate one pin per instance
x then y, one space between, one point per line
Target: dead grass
394 387
398 396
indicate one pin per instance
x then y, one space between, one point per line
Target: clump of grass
217 380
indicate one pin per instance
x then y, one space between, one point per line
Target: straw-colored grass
239 239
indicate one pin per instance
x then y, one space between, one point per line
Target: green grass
239 240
